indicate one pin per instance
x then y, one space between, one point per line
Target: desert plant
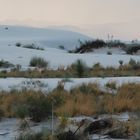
38 62
109 53
71 51
62 47
97 66
21 111
132 49
88 46
111 85
121 62
5 64
80 68
134 64
91 88
18 44
39 108
32 46
63 122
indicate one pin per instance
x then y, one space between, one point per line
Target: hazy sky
80 13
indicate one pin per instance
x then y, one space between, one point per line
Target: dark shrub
21 111
38 62
18 44
62 47
135 65
121 62
80 68
32 46
88 46
39 108
97 66
5 64
132 49
109 53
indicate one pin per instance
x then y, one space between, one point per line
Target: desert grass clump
132 49
63 122
88 46
5 64
126 98
97 66
111 85
38 62
109 53
61 47
90 88
130 92
78 104
80 67
25 103
81 100
18 44
121 62
58 97
134 64
21 111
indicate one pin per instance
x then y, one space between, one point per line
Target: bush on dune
5 64
80 67
38 62
88 46
29 46
132 49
